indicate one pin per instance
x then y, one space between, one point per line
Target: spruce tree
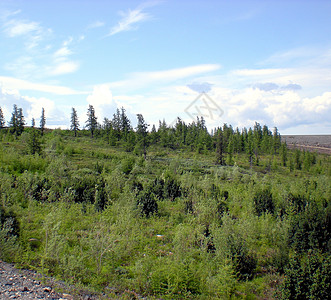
42 121
13 121
20 121
91 123
34 143
219 147
283 154
125 124
74 126
142 133
2 119
17 122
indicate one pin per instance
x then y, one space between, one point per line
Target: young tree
33 123
91 123
142 133
2 119
74 121
219 147
283 154
42 121
34 143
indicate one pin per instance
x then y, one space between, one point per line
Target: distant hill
318 143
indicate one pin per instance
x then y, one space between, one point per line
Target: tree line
118 130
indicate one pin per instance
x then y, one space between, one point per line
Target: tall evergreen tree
91 123
125 124
34 143
42 121
142 133
283 154
2 119
20 121
74 123
116 122
33 123
17 122
219 147
13 121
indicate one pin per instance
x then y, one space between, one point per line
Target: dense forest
174 212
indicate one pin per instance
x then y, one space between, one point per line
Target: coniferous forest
165 212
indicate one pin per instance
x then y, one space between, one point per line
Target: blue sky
264 61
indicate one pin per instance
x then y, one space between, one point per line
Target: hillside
194 220
318 143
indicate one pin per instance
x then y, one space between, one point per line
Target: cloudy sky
264 61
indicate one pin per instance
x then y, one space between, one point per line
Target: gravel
27 284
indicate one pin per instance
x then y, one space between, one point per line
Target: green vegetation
171 213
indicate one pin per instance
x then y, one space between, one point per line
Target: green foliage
310 228
34 143
308 277
146 202
9 232
127 165
176 279
173 225
263 202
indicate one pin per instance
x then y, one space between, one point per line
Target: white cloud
129 19
31 107
102 101
19 84
14 28
64 68
62 52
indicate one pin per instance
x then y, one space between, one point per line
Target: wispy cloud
129 20
142 79
31 32
11 83
15 28
61 62
96 24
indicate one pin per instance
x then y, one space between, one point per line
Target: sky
234 62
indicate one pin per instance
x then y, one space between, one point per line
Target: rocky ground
27 284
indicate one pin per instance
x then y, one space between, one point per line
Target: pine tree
33 123
2 119
74 126
91 123
42 121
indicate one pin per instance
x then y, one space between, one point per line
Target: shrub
308 277
127 165
263 202
146 202
310 229
176 279
244 262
